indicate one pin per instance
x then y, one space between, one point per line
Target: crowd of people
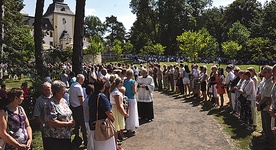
124 94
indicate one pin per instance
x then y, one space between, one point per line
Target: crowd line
68 106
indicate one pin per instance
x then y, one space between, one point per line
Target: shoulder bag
241 98
104 128
2 142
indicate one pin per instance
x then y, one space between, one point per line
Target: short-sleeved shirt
114 93
75 92
129 91
60 111
104 105
40 107
266 91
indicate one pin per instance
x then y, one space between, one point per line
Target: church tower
62 20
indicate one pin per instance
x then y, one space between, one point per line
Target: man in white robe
145 96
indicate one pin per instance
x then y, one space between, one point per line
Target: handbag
2 142
104 128
242 99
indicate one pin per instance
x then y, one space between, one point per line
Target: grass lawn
230 124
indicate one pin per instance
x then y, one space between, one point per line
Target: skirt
119 122
104 145
132 121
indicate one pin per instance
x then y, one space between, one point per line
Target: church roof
58 7
65 35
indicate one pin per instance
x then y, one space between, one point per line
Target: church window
62 9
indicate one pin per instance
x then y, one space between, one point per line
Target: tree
96 46
158 49
269 20
231 49
145 28
117 48
38 36
128 47
213 21
247 12
260 48
238 33
77 57
192 44
93 26
114 29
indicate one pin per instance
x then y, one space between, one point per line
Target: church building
57 25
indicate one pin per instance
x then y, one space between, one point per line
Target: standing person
232 87
39 111
64 78
76 101
229 78
159 77
155 70
265 102
248 91
3 92
220 85
254 77
203 82
212 84
175 79
165 76
132 121
89 90
186 81
116 99
19 134
59 120
104 110
273 100
145 96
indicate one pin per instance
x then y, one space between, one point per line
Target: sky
106 8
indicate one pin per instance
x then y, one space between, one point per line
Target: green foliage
231 48
259 49
238 33
117 48
96 46
114 29
19 43
193 44
128 47
93 26
158 49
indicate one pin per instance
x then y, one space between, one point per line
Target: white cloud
89 11
127 20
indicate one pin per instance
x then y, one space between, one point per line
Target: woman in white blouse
248 91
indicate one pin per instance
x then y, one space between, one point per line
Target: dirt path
178 126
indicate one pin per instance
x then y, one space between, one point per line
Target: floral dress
16 127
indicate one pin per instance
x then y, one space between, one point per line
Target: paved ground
178 125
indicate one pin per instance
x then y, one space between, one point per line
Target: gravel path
178 126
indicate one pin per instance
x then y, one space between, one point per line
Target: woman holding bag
104 109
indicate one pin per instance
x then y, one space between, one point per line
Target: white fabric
86 110
132 121
90 137
186 81
113 93
230 77
145 95
103 145
75 92
233 99
249 91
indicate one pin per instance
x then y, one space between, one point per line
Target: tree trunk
38 37
1 28
77 57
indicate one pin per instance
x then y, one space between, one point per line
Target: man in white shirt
76 101
229 78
